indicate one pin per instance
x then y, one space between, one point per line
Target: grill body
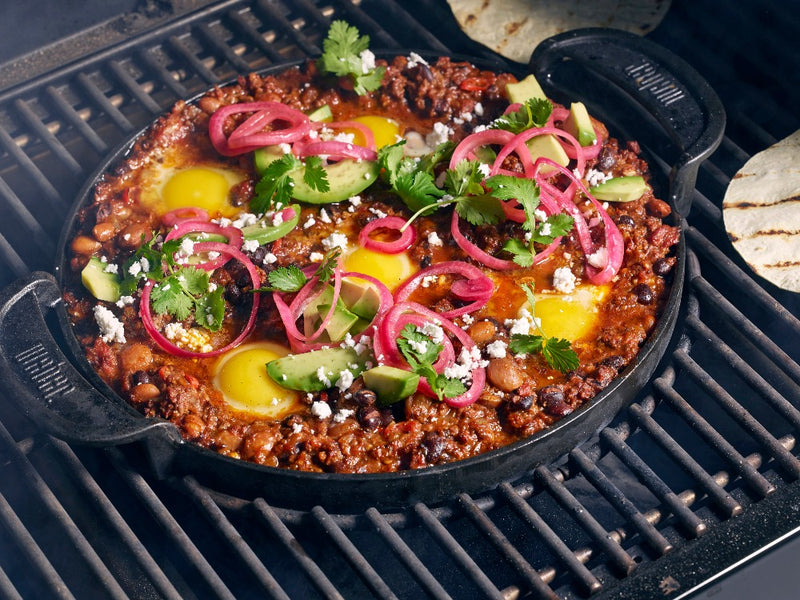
698 474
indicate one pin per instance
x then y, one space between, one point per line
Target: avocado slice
361 298
340 323
620 189
101 284
524 90
323 113
264 231
579 125
346 178
391 384
264 156
302 371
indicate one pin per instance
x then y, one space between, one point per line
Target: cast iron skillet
638 88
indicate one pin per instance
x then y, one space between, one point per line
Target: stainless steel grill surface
699 474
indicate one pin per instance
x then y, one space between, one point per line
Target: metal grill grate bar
222 48
75 120
272 15
357 560
164 75
190 59
133 88
100 99
168 524
718 495
53 144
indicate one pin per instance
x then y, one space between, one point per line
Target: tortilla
761 210
513 28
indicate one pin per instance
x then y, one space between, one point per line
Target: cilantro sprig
291 279
346 54
533 113
557 352
274 189
412 180
179 290
420 352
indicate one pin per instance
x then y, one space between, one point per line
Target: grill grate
678 489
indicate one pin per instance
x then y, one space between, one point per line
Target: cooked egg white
165 188
570 316
241 376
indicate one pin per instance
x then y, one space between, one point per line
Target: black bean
606 160
643 293
365 397
433 445
426 261
233 294
625 220
518 402
552 398
426 71
387 416
331 396
615 362
369 417
662 267
259 254
140 377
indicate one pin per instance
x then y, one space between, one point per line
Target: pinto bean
136 357
144 392
103 232
85 245
193 425
482 332
504 374
133 234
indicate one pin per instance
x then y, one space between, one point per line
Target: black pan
639 89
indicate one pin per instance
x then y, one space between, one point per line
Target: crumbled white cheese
124 301
377 212
355 200
434 239
421 346
323 377
316 256
342 414
479 128
335 240
269 258
277 219
111 328
429 280
345 379
546 229
468 361
440 134
111 268
309 222
496 349
467 319
321 410
415 59
484 170
250 245
245 220
434 332
297 427
564 280
522 325
599 259
285 148
540 214
478 109
595 177
367 61
323 216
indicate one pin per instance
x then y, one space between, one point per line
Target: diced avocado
323 113
312 313
524 90
390 384
579 124
361 298
620 189
340 322
302 371
264 231
346 178
549 147
102 284
264 156
485 154
360 326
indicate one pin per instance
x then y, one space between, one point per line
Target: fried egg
570 316
165 188
386 131
241 376
389 269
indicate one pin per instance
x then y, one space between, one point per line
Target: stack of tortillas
513 28
762 213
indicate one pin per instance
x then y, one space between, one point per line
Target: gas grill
682 495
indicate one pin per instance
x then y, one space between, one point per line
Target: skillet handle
44 384
601 63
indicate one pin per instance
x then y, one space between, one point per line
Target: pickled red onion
165 344
475 286
186 213
332 149
407 235
467 146
234 235
476 253
251 137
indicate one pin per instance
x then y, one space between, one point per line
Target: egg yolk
385 131
199 187
570 317
242 377
389 269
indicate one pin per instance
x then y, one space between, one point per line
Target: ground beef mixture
523 394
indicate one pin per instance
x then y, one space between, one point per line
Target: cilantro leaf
274 189
328 265
522 254
209 310
420 352
168 296
417 190
554 226
525 191
285 279
315 175
344 54
441 153
465 178
557 352
533 113
193 281
480 210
